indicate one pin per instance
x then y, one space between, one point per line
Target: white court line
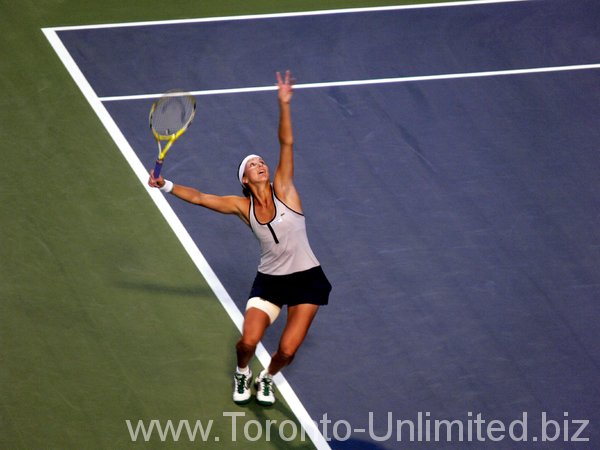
186 240
290 14
450 76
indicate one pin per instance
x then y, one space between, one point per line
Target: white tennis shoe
241 387
265 389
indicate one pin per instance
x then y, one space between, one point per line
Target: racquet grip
157 168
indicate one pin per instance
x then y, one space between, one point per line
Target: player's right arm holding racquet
228 204
169 118
238 205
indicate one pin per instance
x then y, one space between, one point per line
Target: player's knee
245 347
285 356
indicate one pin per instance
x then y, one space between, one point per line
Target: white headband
242 166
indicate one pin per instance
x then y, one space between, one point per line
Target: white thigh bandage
271 309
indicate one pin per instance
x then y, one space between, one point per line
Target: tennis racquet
169 118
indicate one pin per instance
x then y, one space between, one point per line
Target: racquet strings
172 113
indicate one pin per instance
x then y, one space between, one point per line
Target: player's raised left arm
284 174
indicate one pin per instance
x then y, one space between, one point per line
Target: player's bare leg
298 322
255 324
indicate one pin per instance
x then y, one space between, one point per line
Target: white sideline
186 240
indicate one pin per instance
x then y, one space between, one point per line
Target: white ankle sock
244 371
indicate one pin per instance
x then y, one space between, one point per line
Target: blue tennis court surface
457 219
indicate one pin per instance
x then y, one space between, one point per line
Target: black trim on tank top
256 218
268 224
292 210
272 232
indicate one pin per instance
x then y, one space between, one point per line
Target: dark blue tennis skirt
308 286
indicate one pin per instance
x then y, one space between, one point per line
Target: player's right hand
156 182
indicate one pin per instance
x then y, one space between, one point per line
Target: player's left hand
285 87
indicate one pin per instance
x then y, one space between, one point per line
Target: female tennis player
288 273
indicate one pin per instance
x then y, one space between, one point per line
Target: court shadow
264 413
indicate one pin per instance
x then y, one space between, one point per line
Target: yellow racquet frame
171 137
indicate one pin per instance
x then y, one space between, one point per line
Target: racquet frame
170 138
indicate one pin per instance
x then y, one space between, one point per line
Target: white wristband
167 187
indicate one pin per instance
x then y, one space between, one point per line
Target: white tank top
283 241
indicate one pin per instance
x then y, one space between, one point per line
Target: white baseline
289 14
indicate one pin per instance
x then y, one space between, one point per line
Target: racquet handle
157 168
